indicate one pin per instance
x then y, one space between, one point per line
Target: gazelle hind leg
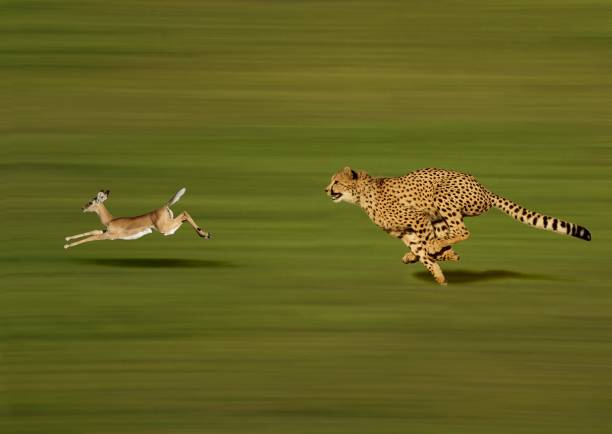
169 227
197 228
84 234
97 237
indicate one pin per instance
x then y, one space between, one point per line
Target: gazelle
132 228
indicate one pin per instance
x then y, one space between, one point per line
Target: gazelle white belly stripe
172 231
138 234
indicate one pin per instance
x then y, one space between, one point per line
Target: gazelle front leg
84 234
97 237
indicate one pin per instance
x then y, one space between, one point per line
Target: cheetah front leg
439 253
419 249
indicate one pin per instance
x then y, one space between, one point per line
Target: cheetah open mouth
335 196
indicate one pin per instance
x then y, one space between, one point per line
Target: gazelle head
92 205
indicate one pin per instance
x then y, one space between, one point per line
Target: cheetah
426 208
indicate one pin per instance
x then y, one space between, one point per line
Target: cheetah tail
538 220
176 197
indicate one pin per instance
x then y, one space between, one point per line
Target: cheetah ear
350 173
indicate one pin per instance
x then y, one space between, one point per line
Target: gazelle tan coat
132 228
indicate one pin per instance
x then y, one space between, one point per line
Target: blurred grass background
299 316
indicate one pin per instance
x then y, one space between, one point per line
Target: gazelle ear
350 173
102 196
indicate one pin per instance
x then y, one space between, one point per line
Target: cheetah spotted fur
425 209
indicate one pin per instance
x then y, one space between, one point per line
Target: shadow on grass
468 276
154 262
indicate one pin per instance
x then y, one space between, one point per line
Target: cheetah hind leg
441 230
446 253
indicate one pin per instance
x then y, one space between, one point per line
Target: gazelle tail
176 197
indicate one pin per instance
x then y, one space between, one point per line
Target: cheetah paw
450 255
409 258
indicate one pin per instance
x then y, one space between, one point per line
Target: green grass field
298 317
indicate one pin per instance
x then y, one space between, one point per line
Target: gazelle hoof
66 246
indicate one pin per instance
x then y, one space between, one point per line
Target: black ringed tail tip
581 232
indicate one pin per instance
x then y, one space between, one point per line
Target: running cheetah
425 209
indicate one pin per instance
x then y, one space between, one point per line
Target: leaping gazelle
132 228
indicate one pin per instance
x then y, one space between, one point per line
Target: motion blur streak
299 317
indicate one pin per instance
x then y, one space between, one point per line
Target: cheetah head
343 186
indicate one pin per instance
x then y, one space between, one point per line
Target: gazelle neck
104 214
